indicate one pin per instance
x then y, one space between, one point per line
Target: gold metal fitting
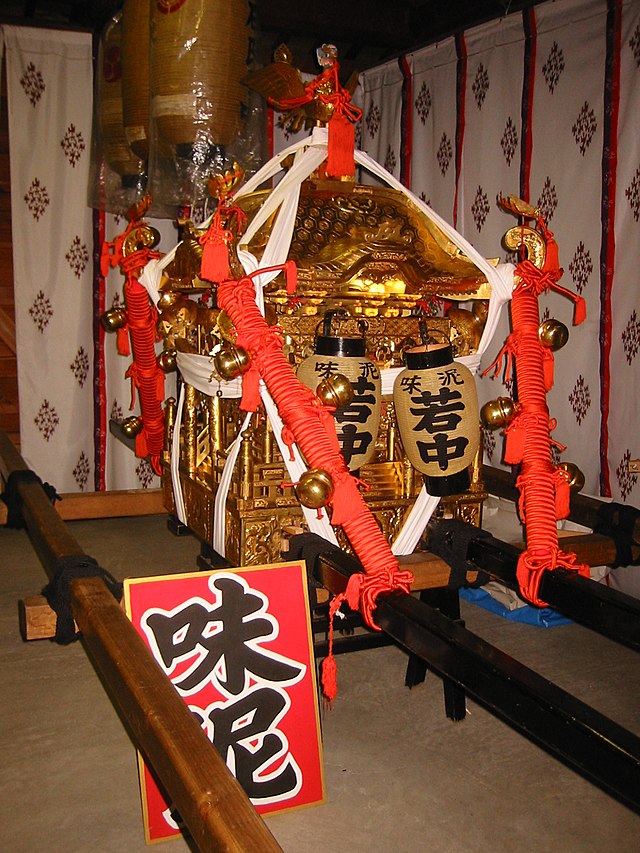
553 334
167 361
573 474
113 319
131 426
231 361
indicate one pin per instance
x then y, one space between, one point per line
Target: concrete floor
400 777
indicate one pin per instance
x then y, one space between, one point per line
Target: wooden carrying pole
212 804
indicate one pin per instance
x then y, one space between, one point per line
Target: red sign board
237 646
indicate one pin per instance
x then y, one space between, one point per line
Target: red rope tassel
147 376
215 254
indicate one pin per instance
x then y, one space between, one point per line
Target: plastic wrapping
117 177
135 75
198 59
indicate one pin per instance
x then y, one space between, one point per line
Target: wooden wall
9 418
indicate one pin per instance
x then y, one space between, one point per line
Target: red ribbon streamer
340 154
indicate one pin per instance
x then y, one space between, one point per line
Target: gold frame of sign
371 256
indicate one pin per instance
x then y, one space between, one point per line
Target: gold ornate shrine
375 260
363 246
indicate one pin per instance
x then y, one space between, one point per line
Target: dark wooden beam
573 732
583 510
209 799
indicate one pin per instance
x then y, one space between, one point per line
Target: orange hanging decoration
131 251
326 89
543 494
215 254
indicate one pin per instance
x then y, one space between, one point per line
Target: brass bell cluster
131 426
573 475
498 413
335 390
553 334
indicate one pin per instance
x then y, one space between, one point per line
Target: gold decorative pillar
190 428
246 464
169 422
216 424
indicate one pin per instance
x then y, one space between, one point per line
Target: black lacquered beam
605 610
576 734
582 509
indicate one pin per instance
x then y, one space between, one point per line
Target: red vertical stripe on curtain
528 79
461 88
608 242
99 374
406 140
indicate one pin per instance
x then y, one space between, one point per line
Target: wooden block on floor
37 619
77 506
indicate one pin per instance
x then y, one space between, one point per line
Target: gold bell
131 426
574 476
498 413
230 361
113 319
335 390
553 334
167 298
167 361
315 488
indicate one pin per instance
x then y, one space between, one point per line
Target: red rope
340 153
144 372
543 494
314 430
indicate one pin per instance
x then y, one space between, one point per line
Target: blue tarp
543 617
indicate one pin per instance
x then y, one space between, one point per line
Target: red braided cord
144 371
537 481
314 431
339 97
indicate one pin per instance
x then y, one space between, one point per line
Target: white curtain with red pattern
49 82
380 131
71 379
541 104
433 105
